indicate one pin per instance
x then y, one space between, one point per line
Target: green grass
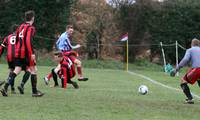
108 95
103 64
117 65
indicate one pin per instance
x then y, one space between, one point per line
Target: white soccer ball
143 89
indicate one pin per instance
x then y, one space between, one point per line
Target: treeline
153 22
51 18
146 21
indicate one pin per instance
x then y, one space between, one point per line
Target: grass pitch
108 95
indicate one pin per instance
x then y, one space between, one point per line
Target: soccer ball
143 89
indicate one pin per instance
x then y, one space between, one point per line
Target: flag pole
125 40
177 57
127 55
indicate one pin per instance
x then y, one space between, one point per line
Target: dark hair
69 26
13 28
57 53
29 15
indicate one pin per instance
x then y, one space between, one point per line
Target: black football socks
198 81
25 78
55 78
10 80
34 83
186 90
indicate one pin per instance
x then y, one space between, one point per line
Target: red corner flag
124 37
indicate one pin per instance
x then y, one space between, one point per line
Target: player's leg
12 86
54 72
10 80
35 92
186 91
11 67
198 81
66 79
71 73
188 78
1 83
69 81
79 69
18 63
74 84
24 79
198 78
47 78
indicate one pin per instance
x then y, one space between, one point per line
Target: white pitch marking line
158 83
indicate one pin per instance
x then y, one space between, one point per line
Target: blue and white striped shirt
63 43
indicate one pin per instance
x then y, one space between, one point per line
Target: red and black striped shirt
9 42
24 36
67 70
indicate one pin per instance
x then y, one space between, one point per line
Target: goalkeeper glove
173 72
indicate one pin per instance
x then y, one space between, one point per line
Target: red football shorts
192 75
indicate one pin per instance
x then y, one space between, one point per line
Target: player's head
57 53
57 56
13 28
195 42
69 29
30 16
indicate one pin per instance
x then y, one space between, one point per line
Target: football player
24 54
192 55
64 45
67 71
9 44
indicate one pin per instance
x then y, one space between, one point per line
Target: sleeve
69 43
3 45
185 60
33 32
5 42
1 50
59 43
75 47
71 46
29 40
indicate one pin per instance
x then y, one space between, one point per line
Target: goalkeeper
193 74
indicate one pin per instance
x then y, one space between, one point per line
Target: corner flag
124 37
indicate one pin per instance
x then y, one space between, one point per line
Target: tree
167 22
94 19
51 18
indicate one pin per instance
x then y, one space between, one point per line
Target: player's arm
76 46
3 45
29 45
1 50
73 47
183 62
